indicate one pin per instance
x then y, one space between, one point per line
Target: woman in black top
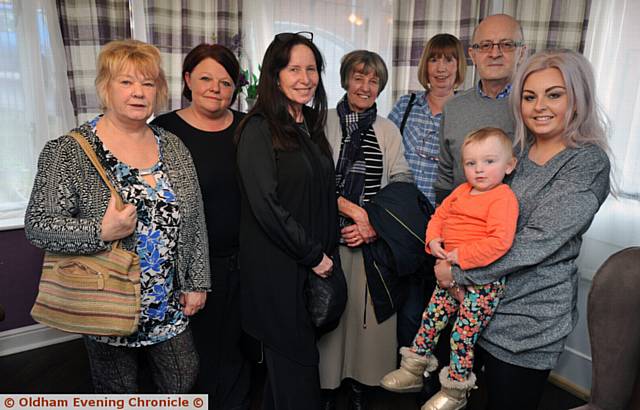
288 218
210 74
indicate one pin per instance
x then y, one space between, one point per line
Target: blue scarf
350 170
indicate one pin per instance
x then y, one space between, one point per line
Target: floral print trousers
473 315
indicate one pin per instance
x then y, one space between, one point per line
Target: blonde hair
117 55
485 133
585 123
440 45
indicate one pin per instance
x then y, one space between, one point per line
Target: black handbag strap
412 101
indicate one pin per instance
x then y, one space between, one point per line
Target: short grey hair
585 122
371 62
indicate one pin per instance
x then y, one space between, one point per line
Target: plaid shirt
421 143
502 94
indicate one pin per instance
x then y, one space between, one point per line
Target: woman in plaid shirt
417 115
441 71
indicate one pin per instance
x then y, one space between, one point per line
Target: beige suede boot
452 395
408 378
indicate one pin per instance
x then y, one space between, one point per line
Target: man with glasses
496 50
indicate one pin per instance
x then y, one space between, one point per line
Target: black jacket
399 213
289 217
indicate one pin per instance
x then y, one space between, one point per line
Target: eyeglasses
422 151
284 37
506 46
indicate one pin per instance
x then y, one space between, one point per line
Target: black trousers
509 386
225 374
290 385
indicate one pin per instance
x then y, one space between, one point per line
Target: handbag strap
88 149
407 111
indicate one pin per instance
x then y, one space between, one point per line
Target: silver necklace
147 171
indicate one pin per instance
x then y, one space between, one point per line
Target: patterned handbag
95 294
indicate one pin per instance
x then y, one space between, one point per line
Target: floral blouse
161 316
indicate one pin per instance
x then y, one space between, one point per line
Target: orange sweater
481 226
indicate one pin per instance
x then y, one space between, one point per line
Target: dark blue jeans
419 289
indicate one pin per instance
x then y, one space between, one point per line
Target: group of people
231 212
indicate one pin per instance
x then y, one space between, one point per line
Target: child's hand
452 257
436 248
458 293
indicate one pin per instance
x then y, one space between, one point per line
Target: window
338 26
613 49
34 98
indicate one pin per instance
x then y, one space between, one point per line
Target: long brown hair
273 105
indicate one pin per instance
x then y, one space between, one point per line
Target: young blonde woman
561 180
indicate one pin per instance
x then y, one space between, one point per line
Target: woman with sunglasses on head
368 153
210 73
288 216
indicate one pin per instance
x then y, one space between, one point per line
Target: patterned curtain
176 27
415 22
86 26
546 24
551 23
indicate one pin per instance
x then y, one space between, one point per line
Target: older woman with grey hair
368 153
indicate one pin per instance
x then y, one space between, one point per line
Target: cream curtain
35 105
612 47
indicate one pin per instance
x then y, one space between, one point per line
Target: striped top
373 164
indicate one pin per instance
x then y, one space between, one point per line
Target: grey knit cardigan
69 199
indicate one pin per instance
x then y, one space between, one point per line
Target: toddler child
473 227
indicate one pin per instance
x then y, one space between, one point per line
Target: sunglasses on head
284 37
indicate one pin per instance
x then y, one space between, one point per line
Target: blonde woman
561 180
70 211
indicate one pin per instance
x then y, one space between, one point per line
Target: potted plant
249 85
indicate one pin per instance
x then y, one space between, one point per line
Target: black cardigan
288 219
